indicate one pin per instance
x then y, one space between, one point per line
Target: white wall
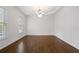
67 25
40 26
12 16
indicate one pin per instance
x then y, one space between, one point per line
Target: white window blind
2 24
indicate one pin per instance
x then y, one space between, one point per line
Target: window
20 25
2 24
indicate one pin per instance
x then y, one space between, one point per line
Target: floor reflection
20 48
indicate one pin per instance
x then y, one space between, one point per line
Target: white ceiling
31 10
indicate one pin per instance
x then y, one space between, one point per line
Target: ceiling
31 10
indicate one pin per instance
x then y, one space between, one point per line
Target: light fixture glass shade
39 15
39 12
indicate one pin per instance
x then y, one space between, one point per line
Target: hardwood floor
39 44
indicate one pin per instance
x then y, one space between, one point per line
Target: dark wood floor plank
40 44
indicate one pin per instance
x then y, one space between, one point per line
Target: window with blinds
20 25
2 23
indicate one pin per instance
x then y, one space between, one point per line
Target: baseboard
60 37
12 42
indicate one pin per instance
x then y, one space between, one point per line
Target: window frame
4 35
20 25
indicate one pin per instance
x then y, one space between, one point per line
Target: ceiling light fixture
39 12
